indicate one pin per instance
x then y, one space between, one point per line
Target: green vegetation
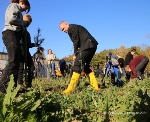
45 103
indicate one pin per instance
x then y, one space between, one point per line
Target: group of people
18 41
85 46
52 68
132 67
48 66
135 66
40 61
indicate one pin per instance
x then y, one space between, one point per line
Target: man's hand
127 68
74 57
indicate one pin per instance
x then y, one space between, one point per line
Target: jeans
11 40
51 67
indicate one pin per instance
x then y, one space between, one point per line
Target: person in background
115 63
37 64
128 58
99 72
51 63
137 66
62 65
12 34
85 47
38 58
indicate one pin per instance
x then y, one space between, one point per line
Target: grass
130 103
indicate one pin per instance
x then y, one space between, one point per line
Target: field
45 103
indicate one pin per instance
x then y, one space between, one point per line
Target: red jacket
133 63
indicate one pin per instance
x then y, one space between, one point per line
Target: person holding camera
115 63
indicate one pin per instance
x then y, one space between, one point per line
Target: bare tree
143 46
37 39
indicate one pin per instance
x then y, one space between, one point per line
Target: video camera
108 57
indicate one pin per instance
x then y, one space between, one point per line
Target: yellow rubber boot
93 80
73 83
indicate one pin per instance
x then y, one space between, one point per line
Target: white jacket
50 58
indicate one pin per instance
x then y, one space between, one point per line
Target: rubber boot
73 83
93 80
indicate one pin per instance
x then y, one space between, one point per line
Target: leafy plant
46 103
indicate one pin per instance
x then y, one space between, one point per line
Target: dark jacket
133 63
62 64
29 44
128 58
81 38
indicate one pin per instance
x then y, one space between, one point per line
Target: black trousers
128 76
62 70
83 60
11 40
30 66
141 67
